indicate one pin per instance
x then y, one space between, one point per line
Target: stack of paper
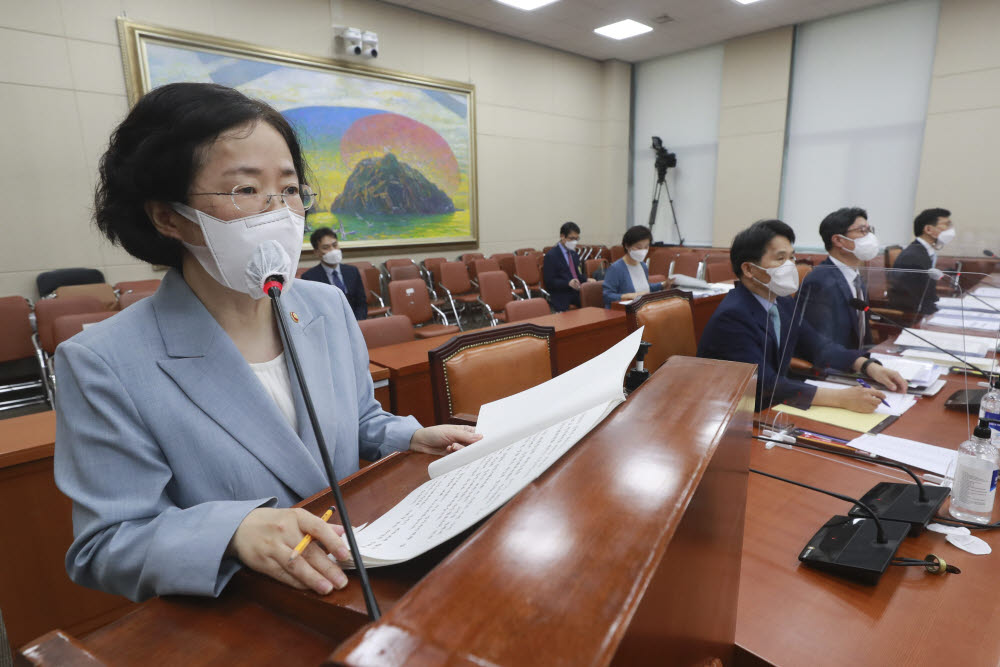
983 292
960 313
963 322
908 452
973 345
919 373
982 363
898 403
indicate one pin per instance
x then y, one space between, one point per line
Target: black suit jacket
352 281
825 298
556 273
912 292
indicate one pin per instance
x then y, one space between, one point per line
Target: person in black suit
910 290
756 324
332 271
562 269
827 290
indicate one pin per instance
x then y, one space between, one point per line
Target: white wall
552 127
677 98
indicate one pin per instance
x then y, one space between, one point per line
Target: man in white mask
913 280
757 324
563 271
332 270
827 290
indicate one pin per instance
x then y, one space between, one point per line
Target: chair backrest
47 310
370 278
716 272
455 277
592 266
15 334
403 272
803 270
484 265
298 272
433 266
389 264
601 252
592 294
617 252
891 253
506 262
103 292
526 308
525 251
483 366
67 326
411 298
381 331
130 297
686 263
146 285
669 323
526 268
50 281
494 289
659 261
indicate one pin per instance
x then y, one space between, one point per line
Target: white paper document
976 346
961 313
982 363
984 292
523 435
964 323
915 372
908 452
898 403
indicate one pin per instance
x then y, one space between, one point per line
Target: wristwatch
869 362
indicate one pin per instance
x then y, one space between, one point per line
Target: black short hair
839 222
635 234
568 228
751 244
156 151
317 236
928 217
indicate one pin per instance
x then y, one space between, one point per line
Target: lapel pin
294 316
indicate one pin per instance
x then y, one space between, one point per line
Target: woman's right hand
267 537
628 297
860 399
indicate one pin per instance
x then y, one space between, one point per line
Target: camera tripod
661 184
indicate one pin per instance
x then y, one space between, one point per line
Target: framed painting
392 156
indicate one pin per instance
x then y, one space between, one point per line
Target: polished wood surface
580 568
380 377
580 335
36 594
626 551
792 615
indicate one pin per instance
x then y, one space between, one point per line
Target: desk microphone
989 253
851 547
272 286
858 304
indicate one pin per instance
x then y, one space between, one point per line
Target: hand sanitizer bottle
976 470
989 409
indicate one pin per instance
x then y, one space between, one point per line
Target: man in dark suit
909 289
332 271
827 290
562 269
756 324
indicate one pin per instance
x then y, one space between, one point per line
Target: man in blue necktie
332 271
562 270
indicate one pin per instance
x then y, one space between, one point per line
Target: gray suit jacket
166 440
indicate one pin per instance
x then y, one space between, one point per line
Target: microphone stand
273 287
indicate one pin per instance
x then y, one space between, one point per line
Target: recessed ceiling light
526 5
746 2
623 29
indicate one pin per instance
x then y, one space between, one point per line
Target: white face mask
333 257
946 237
570 245
638 255
784 278
865 248
230 245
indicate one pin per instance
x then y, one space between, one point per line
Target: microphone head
989 253
858 304
269 260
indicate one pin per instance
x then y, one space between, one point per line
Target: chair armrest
381 303
463 419
440 314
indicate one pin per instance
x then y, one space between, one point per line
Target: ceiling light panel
526 5
623 29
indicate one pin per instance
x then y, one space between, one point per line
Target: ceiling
569 24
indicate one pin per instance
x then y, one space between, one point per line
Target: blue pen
868 386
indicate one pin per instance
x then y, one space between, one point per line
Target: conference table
790 614
580 335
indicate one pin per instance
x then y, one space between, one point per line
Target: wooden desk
581 567
580 335
380 378
792 615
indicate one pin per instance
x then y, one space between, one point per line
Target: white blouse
640 285
274 376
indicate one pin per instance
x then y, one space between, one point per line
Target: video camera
664 159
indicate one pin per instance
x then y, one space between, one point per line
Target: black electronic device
639 374
989 253
965 400
913 504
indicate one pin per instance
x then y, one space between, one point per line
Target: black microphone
272 287
989 253
858 304
914 505
851 547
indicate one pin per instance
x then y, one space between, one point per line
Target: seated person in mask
182 434
628 278
913 280
332 271
755 324
827 290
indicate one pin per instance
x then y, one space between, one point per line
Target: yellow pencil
300 547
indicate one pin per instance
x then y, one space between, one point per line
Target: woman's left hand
443 439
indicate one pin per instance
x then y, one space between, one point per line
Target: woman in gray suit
182 436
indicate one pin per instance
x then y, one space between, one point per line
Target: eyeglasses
246 198
867 229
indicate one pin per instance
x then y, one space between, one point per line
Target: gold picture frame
407 141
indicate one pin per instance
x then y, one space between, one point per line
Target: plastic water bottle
989 408
976 470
